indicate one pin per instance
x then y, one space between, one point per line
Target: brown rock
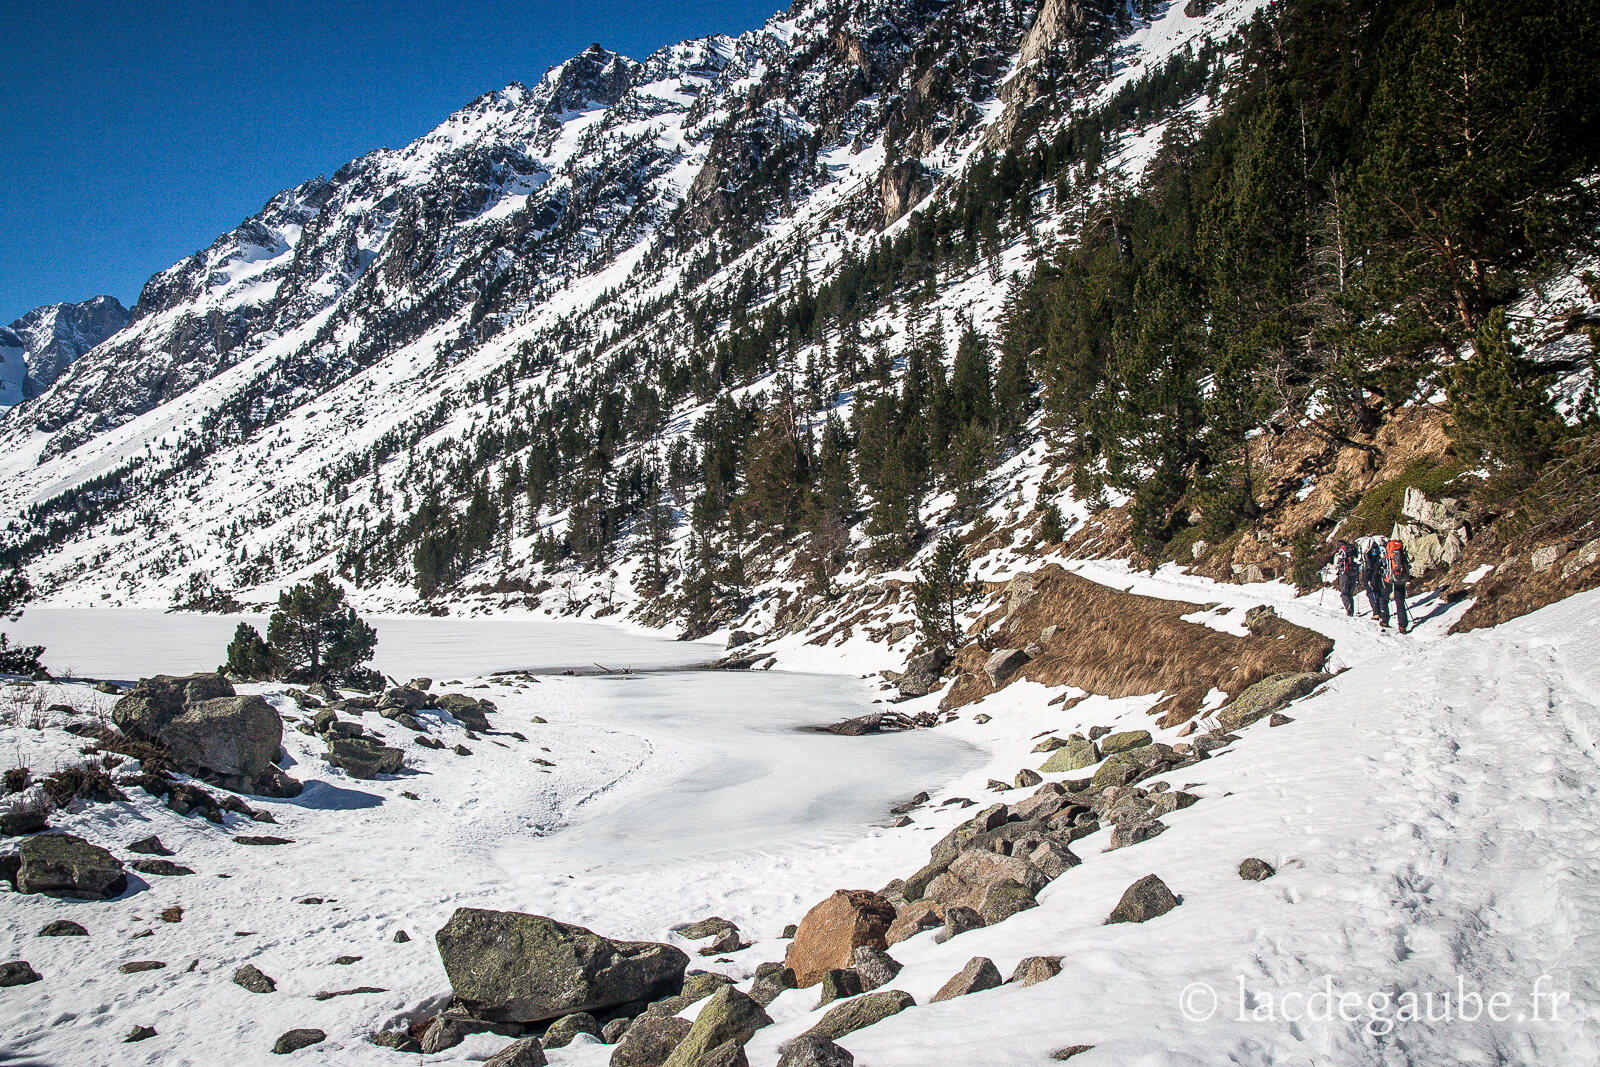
829 933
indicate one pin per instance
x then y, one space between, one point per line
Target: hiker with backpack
1396 573
1373 566
1347 574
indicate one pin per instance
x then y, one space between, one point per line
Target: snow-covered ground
1431 813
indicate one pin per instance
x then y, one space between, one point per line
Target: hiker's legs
1378 597
1347 596
1400 605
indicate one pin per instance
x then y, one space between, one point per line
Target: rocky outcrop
924 673
901 186
512 967
207 730
831 931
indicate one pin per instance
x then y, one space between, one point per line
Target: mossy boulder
1267 696
861 1012
511 967
68 867
729 1016
1122 742
1073 755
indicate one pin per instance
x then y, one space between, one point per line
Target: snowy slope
1430 813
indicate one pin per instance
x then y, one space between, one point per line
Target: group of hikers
1381 566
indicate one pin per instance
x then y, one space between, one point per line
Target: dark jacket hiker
1373 566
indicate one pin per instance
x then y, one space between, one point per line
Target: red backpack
1398 569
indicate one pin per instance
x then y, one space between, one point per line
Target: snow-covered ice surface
125 643
672 795
1431 813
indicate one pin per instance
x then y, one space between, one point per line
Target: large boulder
829 933
1003 663
1267 696
61 865
231 737
510 967
924 673
208 731
728 1016
363 757
154 702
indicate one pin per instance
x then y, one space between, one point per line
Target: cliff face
37 348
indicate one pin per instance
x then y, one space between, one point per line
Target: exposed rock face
512 967
63 928
62 865
1144 900
861 1012
829 933
38 347
1267 696
902 186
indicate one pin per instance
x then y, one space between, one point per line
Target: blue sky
131 134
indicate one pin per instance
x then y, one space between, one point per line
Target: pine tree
317 636
1499 409
249 656
14 593
943 593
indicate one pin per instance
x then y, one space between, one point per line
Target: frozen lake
725 766
126 643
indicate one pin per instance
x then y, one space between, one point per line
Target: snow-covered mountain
528 252
37 348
